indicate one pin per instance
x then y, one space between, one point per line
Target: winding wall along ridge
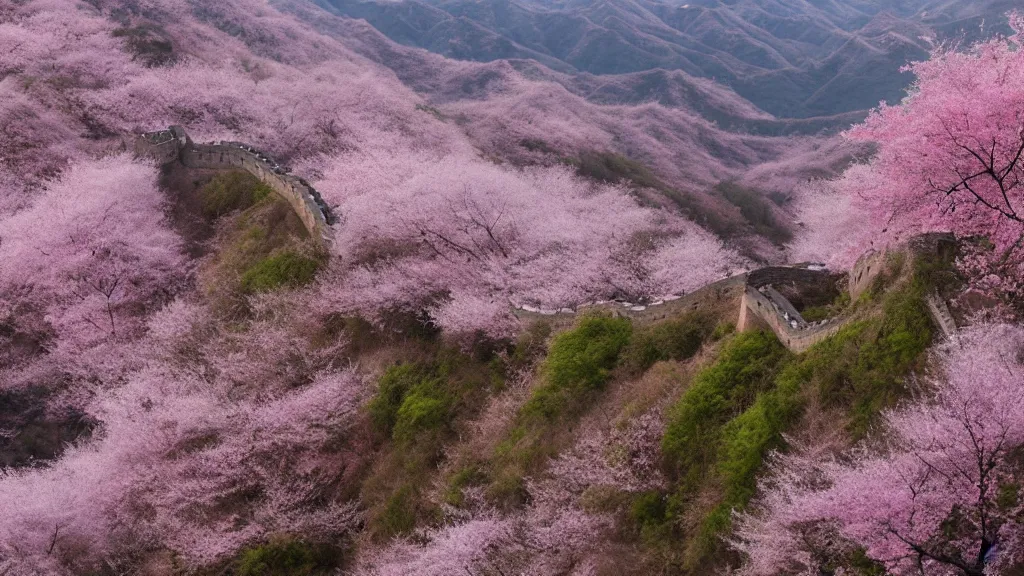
174 145
759 303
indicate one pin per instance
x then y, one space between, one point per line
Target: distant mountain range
790 58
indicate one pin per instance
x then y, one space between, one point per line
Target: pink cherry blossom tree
941 497
93 250
951 156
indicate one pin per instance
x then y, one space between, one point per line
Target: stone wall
760 303
174 144
943 318
871 263
725 290
757 309
773 310
163 146
864 272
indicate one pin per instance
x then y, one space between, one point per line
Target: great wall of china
760 303
174 145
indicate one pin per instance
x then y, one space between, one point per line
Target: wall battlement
174 144
761 306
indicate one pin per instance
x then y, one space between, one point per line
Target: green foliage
262 247
399 514
410 398
862 368
467 476
415 407
230 191
831 310
288 268
722 330
1008 496
745 367
748 438
737 409
649 510
286 557
579 362
669 340
420 412
508 490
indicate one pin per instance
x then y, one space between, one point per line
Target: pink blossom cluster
624 457
951 156
468 240
934 499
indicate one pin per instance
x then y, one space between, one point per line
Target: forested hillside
280 296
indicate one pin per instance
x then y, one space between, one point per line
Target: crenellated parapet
174 145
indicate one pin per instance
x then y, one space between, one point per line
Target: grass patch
287 557
580 362
738 408
413 415
263 247
230 191
287 268
677 339
746 366
825 311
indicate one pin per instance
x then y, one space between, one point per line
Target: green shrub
286 557
580 361
394 384
286 268
399 514
748 438
508 491
230 191
830 310
746 366
722 330
863 368
419 413
669 340
649 510
467 476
